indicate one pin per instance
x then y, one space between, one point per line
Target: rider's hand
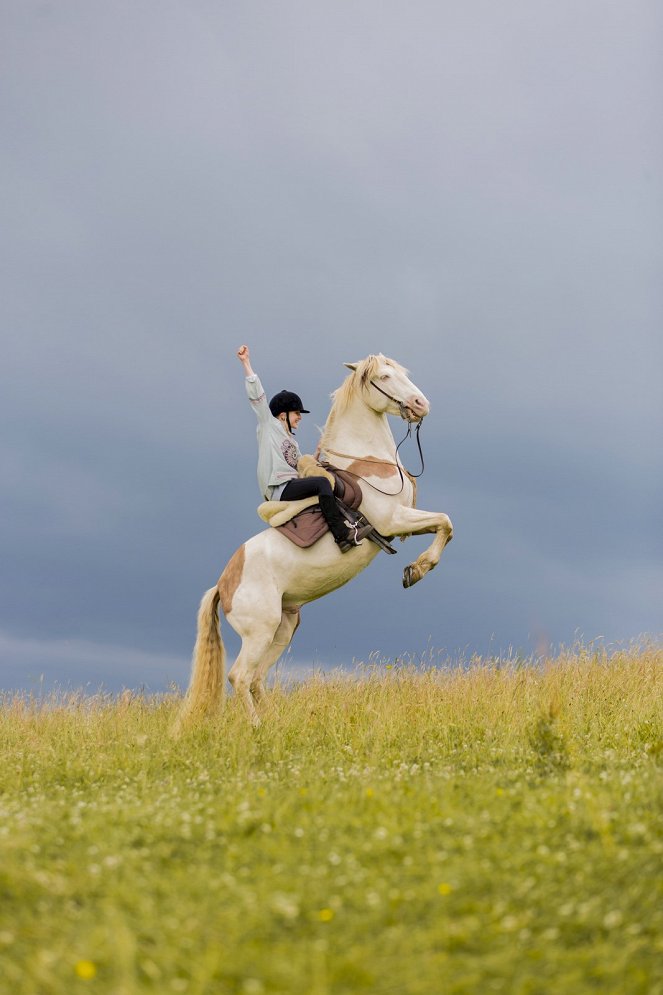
243 354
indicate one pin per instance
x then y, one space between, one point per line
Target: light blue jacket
278 451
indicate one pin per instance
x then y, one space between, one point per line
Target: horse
268 579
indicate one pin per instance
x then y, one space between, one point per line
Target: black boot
346 536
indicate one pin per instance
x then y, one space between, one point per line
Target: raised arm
254 388
245 359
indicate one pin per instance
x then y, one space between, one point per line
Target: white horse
268 579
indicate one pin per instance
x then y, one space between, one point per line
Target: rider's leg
304 487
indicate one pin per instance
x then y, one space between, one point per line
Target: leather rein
370 459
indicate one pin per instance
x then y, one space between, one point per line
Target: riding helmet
286 401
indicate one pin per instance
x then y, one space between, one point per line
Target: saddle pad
305 528
279 512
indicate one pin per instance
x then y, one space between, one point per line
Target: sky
474 190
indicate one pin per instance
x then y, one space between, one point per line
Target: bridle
403 407
403 410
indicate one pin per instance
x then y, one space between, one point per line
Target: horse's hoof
410 576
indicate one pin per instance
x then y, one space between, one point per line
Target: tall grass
410 830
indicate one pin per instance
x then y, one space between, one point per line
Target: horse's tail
206 685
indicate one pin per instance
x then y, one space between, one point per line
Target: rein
403 410
396 463
421 455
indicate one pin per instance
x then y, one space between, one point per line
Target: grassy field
495 828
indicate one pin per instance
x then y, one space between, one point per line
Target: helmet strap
287 421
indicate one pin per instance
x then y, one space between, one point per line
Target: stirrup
356 534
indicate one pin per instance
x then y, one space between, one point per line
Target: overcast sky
473 189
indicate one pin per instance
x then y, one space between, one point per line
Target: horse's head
387 389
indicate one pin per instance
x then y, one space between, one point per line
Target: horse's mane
354 384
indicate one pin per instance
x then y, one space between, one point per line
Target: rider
278 454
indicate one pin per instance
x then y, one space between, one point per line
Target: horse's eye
385 376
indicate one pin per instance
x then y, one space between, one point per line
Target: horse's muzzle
416 408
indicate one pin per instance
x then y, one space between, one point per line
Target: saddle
303 521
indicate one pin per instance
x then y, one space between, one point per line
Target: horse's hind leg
243 672
282 639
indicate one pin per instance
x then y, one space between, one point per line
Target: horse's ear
351 366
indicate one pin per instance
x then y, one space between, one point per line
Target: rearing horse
268 578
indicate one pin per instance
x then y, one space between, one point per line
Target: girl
278 454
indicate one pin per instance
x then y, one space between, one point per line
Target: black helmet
286 401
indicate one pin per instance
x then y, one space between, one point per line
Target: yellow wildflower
85 969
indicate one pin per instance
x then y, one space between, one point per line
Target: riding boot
345 535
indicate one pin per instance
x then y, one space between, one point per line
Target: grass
495 828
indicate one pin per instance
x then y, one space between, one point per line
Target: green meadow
408 830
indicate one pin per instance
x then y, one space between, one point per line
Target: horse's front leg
413 521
